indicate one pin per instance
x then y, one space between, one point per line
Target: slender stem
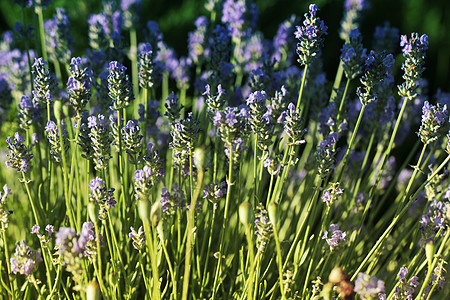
337 80
350 144
341 105
33 206
41 32
144 275
99 261
169 265
382 238
433 265
190 225
8 266
71 177
255 175
27 49
133 58
279 260
209 246
302 86
225 222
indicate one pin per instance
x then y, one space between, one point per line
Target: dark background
176 18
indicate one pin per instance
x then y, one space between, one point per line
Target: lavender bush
247 172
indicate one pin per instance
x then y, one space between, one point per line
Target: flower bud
156 213
144 210
246 214
93 291
274 213
93 213
429 251
57 107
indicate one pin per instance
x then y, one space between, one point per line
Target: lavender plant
256 178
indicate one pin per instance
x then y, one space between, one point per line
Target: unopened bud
274 213
93 291
429 251
246 214
156 213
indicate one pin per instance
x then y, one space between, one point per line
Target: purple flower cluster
58 38
119 86
184 135
352 15
214 192
239 16
405 290
99 194
435 122
198 41
79 85
336 238
325 154
377 67
44 83
138 238
132 141
263 228
214 102
385 38
143 182
100 141
353 55
146 65
434 220
171 202
232 124
369 287
153 161
310 36
73 247
414 51
293 126
284 41
4 213
25 259
332 194
18 156
52 131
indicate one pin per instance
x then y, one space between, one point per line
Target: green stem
279 261
169 265
397 218
341 105
99 262
208 248
433 265
133 58
41 32
337 80
8 266
302 86
225 223
350 144
33 206
190 225
144 276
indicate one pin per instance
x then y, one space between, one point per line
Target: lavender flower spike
310 36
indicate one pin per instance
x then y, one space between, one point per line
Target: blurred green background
176 18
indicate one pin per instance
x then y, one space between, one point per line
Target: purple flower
137 237
24 259
35 229
336 237
368 287
50 229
